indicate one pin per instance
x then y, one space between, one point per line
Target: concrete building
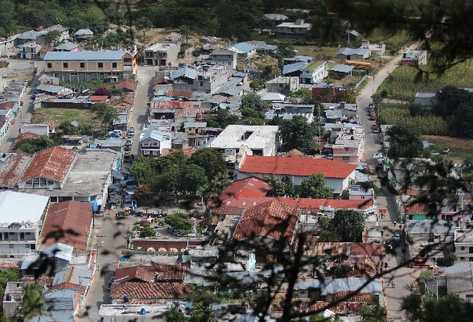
425 99
204 78
29 50
224 57
414 57
161 54
375 49
12 299
283 85
20 222
463 240
353 53
258 140
314 73
338 175
287 111
135 312
297 28
106 65
38 129
154 142
83 34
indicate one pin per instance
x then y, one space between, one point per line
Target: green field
319 53
57 116
460 149
403 83
398 114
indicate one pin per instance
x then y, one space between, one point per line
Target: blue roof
290 68
184 71
341 68
84 55
353 51
248 46
243 47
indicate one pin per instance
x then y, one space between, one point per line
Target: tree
211 161
373 313
347 225
33 301
8 275
447 308
281 187
297 134
31 146
191 178
330 27
147 231
253 101
314 187
175 315
403 143
179 223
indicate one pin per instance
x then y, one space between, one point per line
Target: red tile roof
52 163
69 286
174 104
139 292
296 166
234 206
416 209
14 170
179 93
246 188
150 273
73 216
127 84
6 105
272 219
98 98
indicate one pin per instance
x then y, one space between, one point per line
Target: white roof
21 207
273 97
258 136
161 46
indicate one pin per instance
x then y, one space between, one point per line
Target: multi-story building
161 54
297 28
224 57
204 78
107 65
154 142
20 222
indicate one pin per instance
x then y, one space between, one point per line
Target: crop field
398 114
460 149
403 84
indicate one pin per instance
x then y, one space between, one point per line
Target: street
397 283
137 117
110 238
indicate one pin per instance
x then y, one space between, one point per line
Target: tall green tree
403 143
314 187
297 134
211 161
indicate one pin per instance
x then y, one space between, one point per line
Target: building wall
228 60
88 66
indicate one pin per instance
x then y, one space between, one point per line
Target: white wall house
20 222
258 140
314 73
153 142
338 175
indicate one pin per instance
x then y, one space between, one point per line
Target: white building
224 57
154 142
161 54
287 111
260 140
297 28
283 85
314 73
20 222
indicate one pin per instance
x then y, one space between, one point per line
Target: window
470 250
82 65
65 65
10 245
27 246
100 65
33 246
462 248
114 65
50 65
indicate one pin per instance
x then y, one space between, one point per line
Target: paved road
109 239
137 117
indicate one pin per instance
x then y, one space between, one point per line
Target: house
83 34
148 284
340 71
260 140
70 222
452 280
12 299
353 53
249 48
297 28
224 57
154 142
161 54
64 174
337 174
275 18
67 46
375 49
414 57
294 69
56 90
314 73
463 241
283 85
136 312
22 214
272 97
29 50
106 65
287 111
60 305
298 59
204 78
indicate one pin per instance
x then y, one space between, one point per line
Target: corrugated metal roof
290 68
84 55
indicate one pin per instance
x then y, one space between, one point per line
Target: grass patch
460 149
58 116
394 41
398 114
402 83
318 53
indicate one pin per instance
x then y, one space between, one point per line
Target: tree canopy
403 143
